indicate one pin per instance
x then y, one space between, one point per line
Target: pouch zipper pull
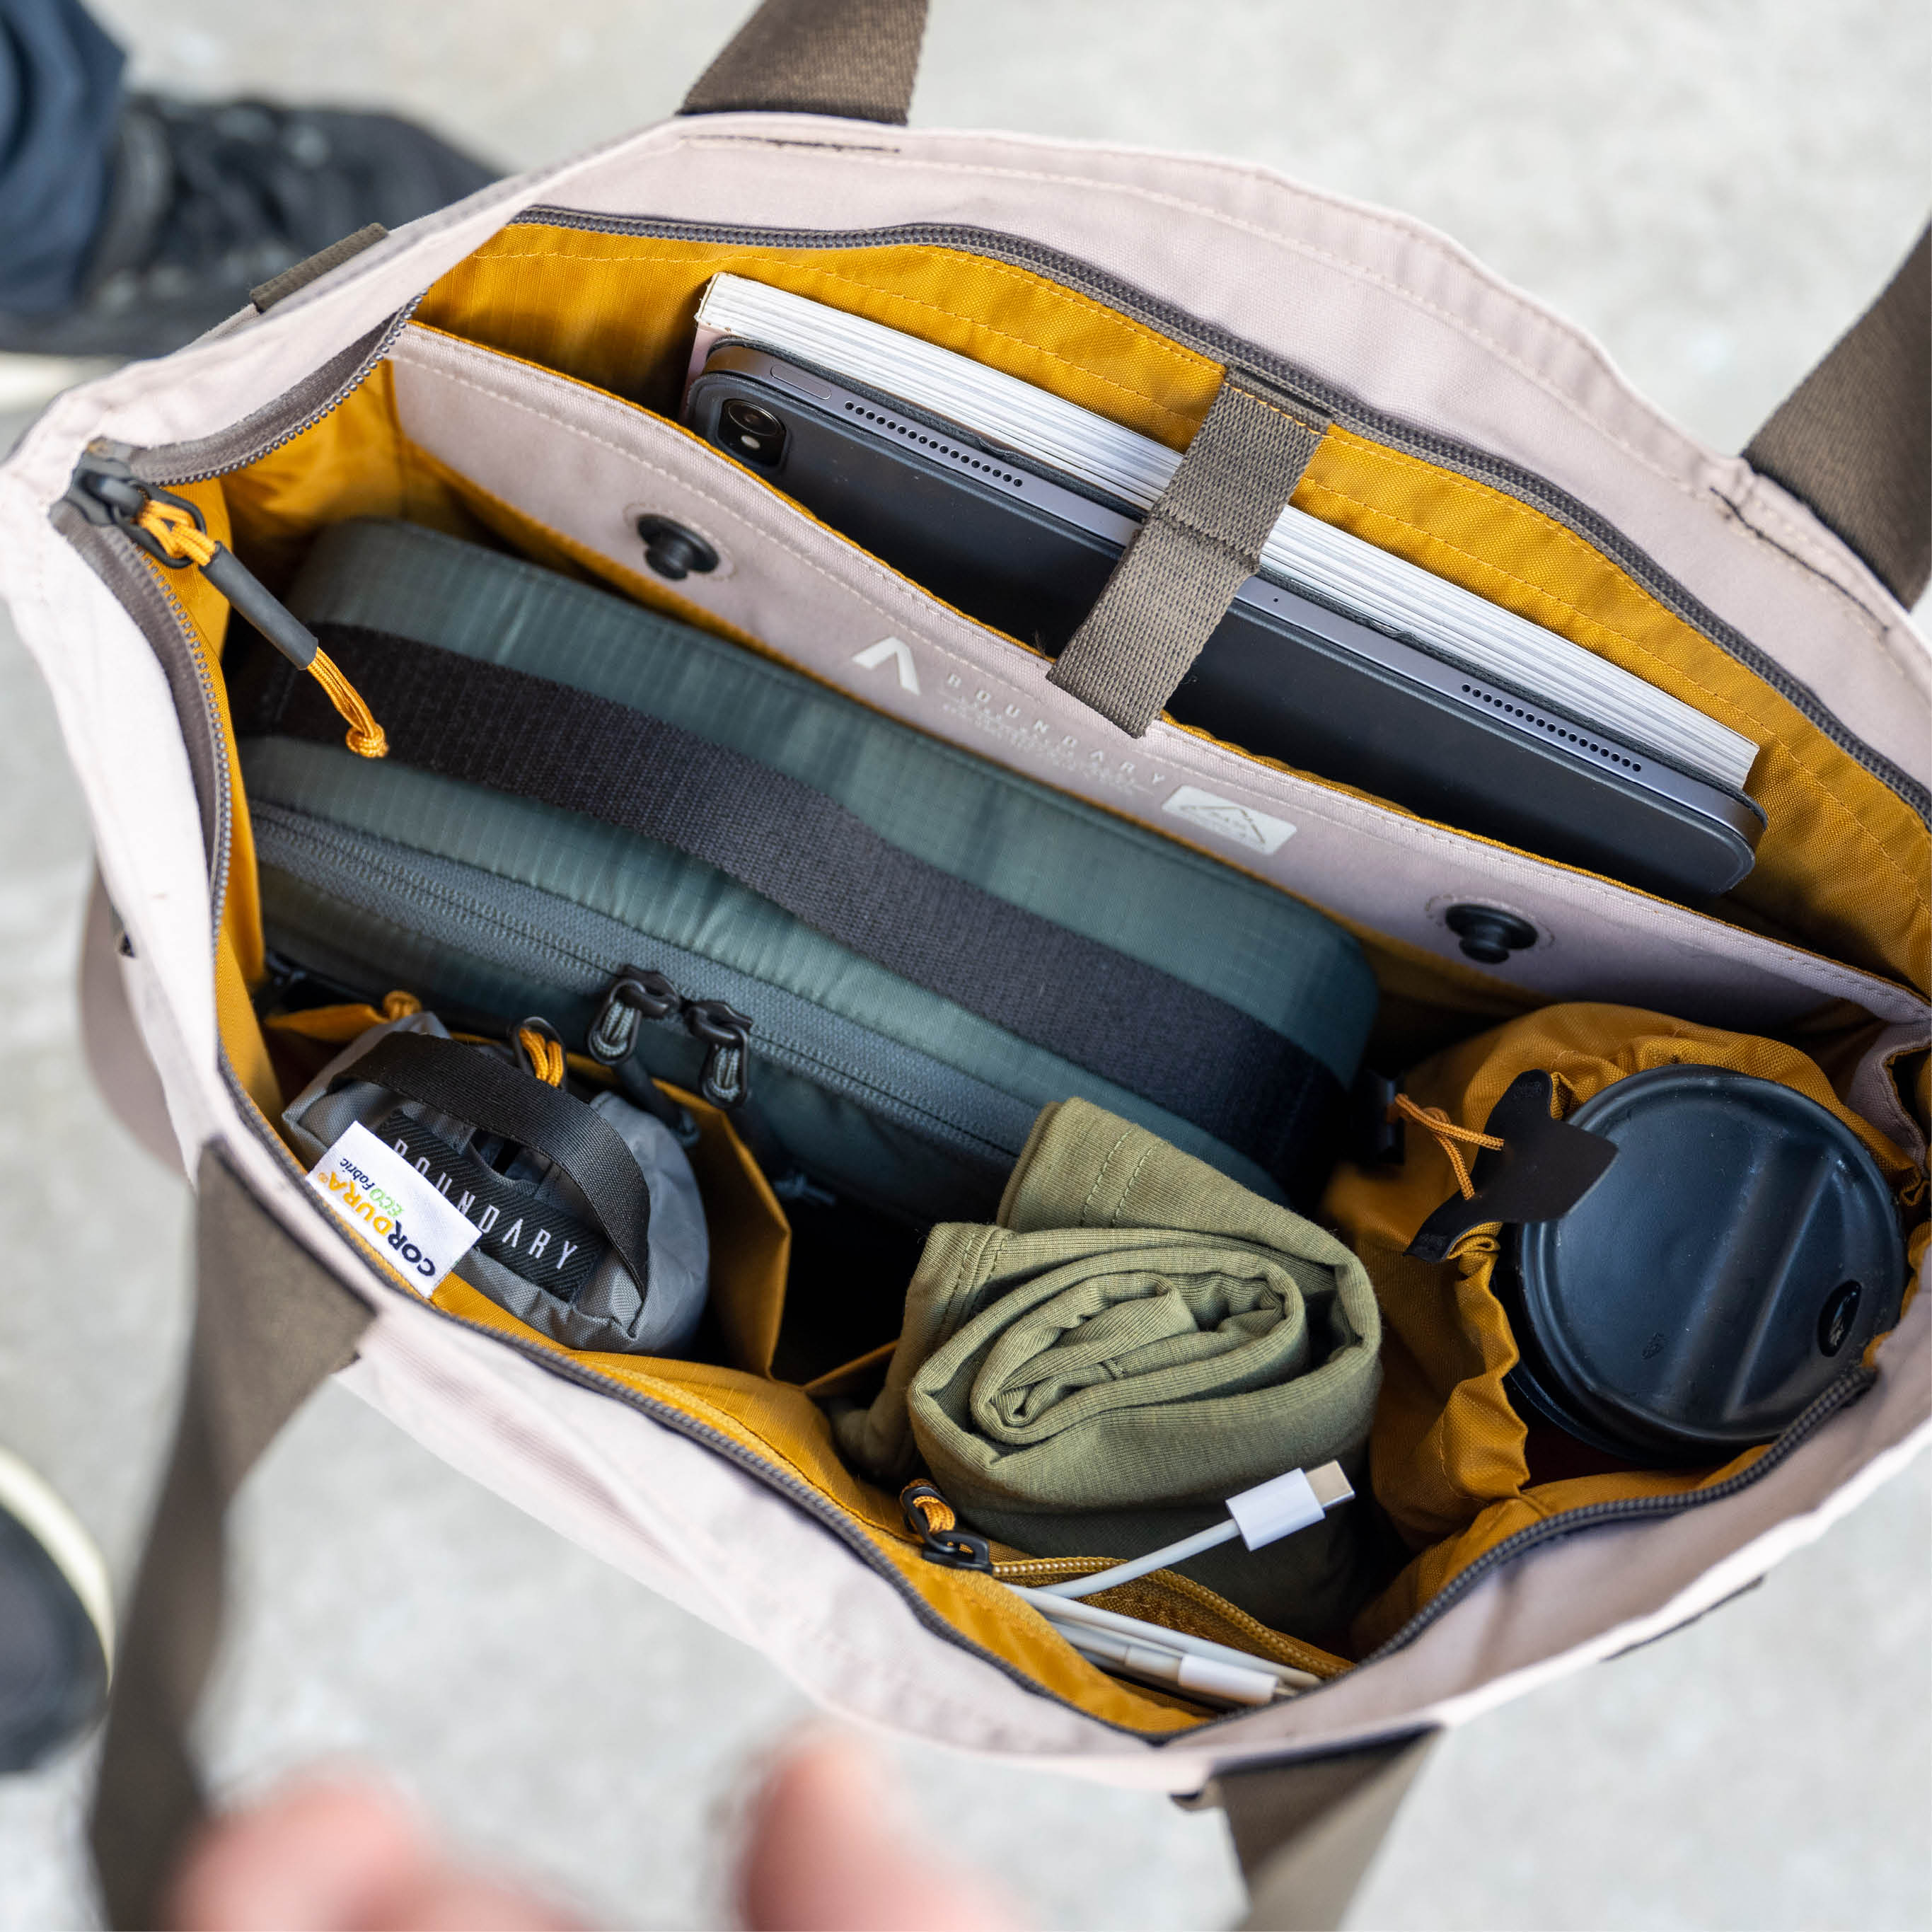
171 530
726 1079
637 994
930 1518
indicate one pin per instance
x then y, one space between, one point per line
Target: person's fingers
827 1850
320 1855
332 1856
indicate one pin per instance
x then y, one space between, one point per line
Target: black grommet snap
672 550
1489 934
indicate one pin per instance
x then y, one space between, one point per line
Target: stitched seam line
1178 520
1147 1154
1099 1175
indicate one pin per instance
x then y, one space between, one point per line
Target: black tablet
1284 675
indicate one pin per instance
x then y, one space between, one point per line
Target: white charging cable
1262 1515
1132 1647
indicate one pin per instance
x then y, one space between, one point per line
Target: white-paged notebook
1388 592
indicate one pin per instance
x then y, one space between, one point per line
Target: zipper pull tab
634 996
173 531
726 1080
930 1518
637 994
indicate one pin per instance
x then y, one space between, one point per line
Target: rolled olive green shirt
1135 1338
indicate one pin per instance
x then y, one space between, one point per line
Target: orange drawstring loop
176 531
545 1055
1449 1137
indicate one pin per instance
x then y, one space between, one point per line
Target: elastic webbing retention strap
271 1324
1184 1049
456 1080
1854 440
1201 542
854 58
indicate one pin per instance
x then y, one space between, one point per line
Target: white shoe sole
57 1531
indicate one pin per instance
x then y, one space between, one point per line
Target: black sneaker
210 199
56 1628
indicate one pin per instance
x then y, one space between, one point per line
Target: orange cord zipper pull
930 1517
540 1049
172 528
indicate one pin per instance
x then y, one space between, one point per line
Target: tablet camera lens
752 433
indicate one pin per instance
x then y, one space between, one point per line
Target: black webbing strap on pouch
1194 1055
456 1080
853 58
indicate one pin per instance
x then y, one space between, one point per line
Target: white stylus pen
1232 1683
1074 1619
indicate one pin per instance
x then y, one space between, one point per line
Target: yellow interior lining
1842 868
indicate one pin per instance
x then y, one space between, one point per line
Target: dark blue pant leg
60 99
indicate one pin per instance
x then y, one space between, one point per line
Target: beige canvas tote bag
519 354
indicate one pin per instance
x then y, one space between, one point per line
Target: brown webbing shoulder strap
854 58
1853 441
1306 1832
271 1325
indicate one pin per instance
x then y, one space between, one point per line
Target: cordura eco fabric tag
376 1193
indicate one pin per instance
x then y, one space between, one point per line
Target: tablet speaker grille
1562 729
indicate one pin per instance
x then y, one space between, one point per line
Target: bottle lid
1740 1253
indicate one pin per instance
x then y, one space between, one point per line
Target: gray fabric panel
1265 953
1201 542
1854 440
856 58
362 906
270 1323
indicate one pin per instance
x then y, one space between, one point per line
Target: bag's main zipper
1855 1381
270 428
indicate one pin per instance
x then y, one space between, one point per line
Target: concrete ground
1714 189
